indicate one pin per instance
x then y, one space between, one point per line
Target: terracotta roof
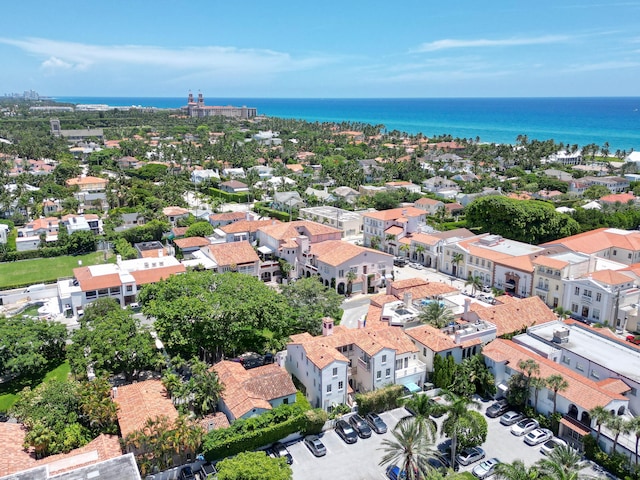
380 300
141 401
233 184
427 201
610 277
234 253
600 239
214 421
395 213
450 207
245 390
550 262
424 238
522 263
174 211
582 391
337 252
575 426
432 338
15 458
191 242
226 216
285 231
242 226
514 315
89 282
420 288
393 230
85 181
614 385
618 197
153 275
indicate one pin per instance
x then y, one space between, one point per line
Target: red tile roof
395 213
600 239
153 275
513 316
191 242
88 282
249 226
234 253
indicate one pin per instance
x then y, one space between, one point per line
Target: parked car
538 436
524 426
399 261
346 432
206 472
438 462
376 423
510 418
551 444
361 427
470 455
485 469
315 445
635 339
4 417
393 473
498 408
187 473
280 451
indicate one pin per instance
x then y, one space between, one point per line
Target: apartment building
621 246
386 228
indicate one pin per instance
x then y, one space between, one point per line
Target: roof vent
561 335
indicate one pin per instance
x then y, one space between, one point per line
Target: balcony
544 288
365 365
416 366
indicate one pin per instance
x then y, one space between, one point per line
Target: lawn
9 391
40 270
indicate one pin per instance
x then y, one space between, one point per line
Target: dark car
346 431
207 472
4 417
280 450
438 462
361 427
187 473
394 473
315 445
498 408
376 423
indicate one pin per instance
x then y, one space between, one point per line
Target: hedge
379 400
45 252
267 428
270 212
229 197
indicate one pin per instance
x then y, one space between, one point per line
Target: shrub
379 400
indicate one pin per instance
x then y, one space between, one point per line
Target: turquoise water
615 120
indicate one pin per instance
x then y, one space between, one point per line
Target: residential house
565 157
152 249
347 194
619 198
398 185
429 205
614 184
559 174
552 271
244 230
332 261
264 172
386 228
204 176
85 223
222 219
30 235
234 257
321 196
251 392
287 201
350 223
174 214
130 220
373 171
186 246
234 186
295 168
370 190
91 191
50 207
621 246
233 172
128 162
343 361
438 184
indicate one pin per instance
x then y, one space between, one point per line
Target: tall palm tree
435 314
557 383
634 427
537 383
456 409
617 425
516 471
600 415
457 259
422 407
350 276
418 251
563 463
528 367
409 449
475 282
404 248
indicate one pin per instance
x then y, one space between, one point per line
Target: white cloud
211 58
483 42
610 65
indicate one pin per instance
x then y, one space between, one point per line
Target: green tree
634 427
600 415
458 420
351 277
124 249
617 425
537 383
97 407
457 259
199 229
423 407
82 242
516 470
594 192
310 301
110 340
557 383
470 430
528 367
409 448
254 466
436 314
563 463
475 282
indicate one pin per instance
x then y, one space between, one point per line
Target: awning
412 387
265 250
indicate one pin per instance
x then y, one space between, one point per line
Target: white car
510 418
485 469
551 444
524 426
538 436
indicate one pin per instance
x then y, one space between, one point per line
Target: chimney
467 304
118 259
406 298
362 322
327 326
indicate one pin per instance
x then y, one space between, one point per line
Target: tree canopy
254 466
528 221
199 229
220 313
111 341
310 300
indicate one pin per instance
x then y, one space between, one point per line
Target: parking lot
360 461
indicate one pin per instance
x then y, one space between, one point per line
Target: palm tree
617 425
418 251
457 408
557 383
409 449
516 471
457 259
475 282
599 415
436 314
404 248
375 242
562 313
634 426
528 367
351 276
563 463
537 383
423 407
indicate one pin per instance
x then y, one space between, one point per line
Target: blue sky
459 48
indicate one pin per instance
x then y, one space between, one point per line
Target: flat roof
328 211
616 356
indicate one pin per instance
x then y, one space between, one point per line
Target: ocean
615 120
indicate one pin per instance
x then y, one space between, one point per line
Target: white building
349 222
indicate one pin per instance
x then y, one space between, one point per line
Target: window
574 308
577 291
129 288
341 273
335 371
387 373
384 359
378 374
587 293
566 360
91 294
594 374
424 353
633 392
340 386
399 363
329 388
598 297
596 314
579 367
285 401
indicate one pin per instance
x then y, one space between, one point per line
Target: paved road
354 309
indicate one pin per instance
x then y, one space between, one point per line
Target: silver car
524 426
510 418
485 469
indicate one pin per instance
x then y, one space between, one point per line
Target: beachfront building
198 109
